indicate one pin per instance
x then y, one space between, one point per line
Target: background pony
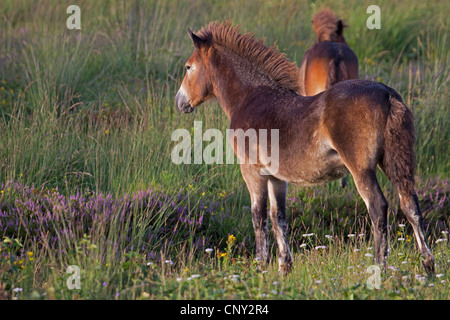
330 59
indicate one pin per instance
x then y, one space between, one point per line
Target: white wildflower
393 268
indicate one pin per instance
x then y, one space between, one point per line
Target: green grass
93 111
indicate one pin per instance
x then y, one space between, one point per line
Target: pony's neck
234 78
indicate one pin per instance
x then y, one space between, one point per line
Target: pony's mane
326 25
271 62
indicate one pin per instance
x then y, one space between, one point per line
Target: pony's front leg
257 187
277 197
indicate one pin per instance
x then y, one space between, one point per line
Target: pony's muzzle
182 102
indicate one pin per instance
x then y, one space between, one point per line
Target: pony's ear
198 42
340 28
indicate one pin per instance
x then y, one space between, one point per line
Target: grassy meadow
86 177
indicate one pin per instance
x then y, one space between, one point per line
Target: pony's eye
188 68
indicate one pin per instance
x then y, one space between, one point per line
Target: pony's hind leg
257 187
369 189
398 163
277 197
410 207
343 182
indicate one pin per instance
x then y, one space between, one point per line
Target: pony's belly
313 175
321 177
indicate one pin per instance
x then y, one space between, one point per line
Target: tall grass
120 71
92 111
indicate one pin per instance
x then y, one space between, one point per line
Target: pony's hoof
344 182
428 265
285 269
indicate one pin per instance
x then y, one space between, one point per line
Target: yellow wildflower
231 240
370 61
19 264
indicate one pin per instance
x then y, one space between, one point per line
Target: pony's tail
337 71
399 158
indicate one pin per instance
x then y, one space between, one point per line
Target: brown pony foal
351 127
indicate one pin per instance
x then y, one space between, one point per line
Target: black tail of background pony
337 71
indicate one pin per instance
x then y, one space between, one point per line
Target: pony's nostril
183 103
